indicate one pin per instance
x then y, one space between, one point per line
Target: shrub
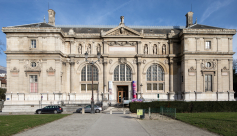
193 106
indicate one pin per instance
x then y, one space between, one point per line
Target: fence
170 112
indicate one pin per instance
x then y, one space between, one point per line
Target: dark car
97 109
50 109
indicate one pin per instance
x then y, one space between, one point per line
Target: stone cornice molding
208 31
207 53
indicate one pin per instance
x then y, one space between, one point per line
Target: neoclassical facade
46 63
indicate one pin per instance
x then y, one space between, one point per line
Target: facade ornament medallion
225 71
208 64
122 60
110 61
50 71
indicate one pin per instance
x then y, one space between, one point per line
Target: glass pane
83 74
95 86
95 74
36 79
209 77
122 72
154 86
154 73
89 73
205 78
148 74
83 87
160 86
160 74
116 73
209 86
149 86
89 87
206 89
128 73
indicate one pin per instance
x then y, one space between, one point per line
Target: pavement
118 124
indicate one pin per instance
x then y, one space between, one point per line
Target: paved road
113 125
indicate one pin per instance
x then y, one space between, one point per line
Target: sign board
8 98
110 90
140 112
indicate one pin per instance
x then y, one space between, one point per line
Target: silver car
88 109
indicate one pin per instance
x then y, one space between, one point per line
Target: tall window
33 43
33 84
122 73
208 44
208 82
86 75
155 78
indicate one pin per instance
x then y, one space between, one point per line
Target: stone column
105 47
139 48
71 75
198 75
105 81
230 75
139 93
230 44
219 76
171 47
171 74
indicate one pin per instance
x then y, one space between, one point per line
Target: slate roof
97 29
200 26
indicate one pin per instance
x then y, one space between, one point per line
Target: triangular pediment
121 30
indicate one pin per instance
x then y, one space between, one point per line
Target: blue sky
219 13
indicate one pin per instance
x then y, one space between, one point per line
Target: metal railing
170 112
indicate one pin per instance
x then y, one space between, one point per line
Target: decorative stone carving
28 67
192 71
98 48
144 61
155 49
134 61
50 71
164 49
122 20
146 49
225 71
71 32
80 49
122 31
89 49
78 62
15 72
123 43
122 60
208 64
172 34
110 61
166 61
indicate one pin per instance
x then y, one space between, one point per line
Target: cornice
35 52
207 53
208 31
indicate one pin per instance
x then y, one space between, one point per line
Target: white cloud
214 7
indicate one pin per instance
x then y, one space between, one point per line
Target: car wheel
97 111
39 112
55 112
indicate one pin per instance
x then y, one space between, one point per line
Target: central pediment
121 31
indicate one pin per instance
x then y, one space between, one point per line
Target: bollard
149 112
124 111
110 111
83 111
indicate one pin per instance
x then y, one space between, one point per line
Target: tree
235 76
2 94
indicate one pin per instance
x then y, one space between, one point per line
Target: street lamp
92 64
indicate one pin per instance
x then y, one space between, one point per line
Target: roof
200 26
41 24
3 81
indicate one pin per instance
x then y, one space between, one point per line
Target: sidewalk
113 125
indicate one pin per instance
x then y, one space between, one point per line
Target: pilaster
231 75
171 75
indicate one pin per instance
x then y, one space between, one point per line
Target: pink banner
134 88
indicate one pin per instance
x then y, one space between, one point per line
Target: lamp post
92 64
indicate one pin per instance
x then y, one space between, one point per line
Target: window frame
37 78
209 46
126 66
87 82
157 81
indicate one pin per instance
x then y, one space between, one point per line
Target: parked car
88 109
50 109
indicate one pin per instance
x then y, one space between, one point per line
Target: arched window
122 73
155 78
86 73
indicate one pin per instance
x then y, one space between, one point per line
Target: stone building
46 63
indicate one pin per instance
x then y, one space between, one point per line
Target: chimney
189 19
51 17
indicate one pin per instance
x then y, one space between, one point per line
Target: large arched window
122 73
155 78
86 75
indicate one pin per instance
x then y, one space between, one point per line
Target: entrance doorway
122 93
